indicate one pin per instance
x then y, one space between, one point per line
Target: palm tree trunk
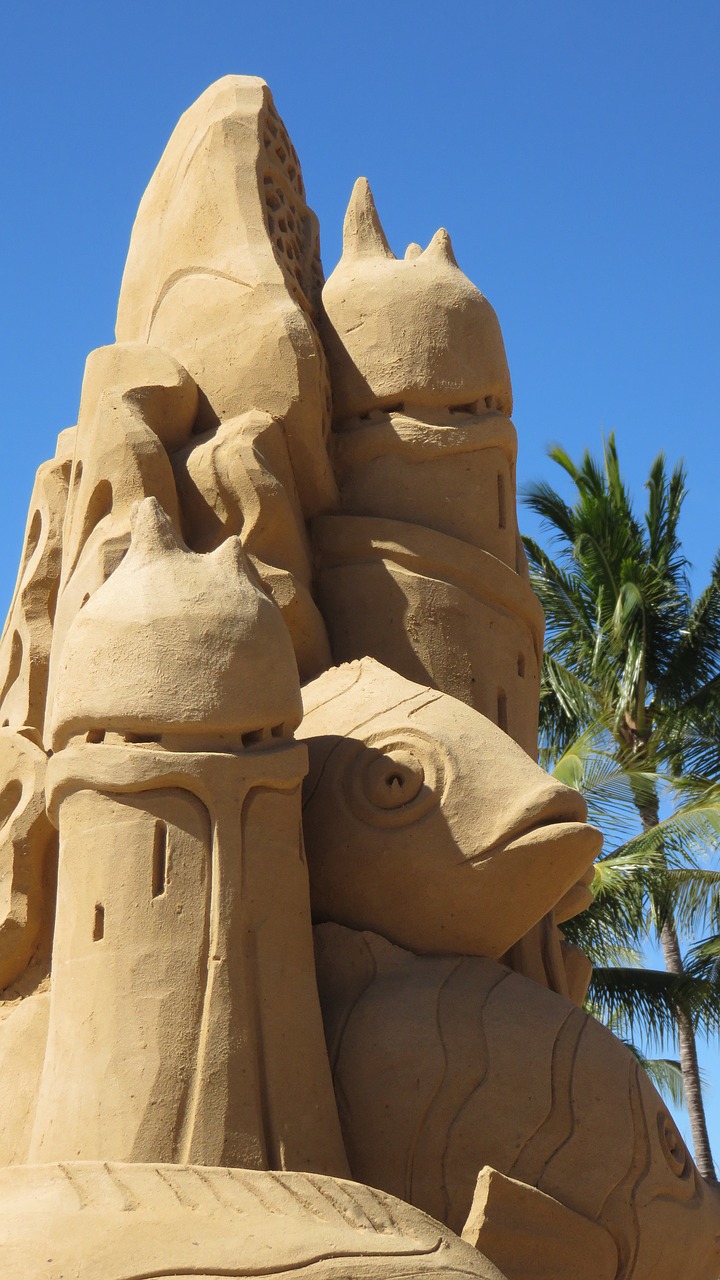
689 1062
672 956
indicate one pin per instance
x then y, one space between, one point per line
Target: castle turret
424 569
182 966
413 330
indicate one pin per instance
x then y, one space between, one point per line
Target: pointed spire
413 251
363 236
231 555
152 532
440 248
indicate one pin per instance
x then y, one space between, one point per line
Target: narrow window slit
99 925
521 665
502 717
502 514
159 860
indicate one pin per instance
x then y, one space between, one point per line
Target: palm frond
703 960
613 783
554 513
650 999
689 832
693 660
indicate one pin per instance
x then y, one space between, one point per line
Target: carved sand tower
281 971
425 458
181 873
224 273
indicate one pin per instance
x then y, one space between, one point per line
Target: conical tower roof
177 643
412 331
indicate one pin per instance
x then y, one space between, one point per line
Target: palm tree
629 876
629 648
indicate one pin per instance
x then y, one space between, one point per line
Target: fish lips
526 877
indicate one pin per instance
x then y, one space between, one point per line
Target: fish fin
528 1235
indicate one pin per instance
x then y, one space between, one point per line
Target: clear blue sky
572 150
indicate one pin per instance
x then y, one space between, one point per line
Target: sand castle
284 985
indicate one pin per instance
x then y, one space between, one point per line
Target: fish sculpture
484 1098
426 823
503 1110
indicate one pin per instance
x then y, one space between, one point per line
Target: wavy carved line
573 1119
475 1090
422 1118
524 1157
334 1055
625 1192
274 1269
621 1178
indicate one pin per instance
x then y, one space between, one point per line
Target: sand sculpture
284 986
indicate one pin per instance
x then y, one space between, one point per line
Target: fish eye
673 1147
393 779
